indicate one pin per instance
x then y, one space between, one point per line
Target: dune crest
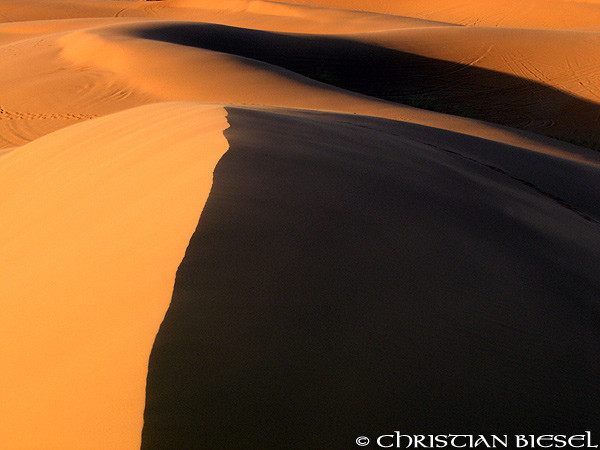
177 61
330 274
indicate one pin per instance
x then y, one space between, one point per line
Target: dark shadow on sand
403 78
330 293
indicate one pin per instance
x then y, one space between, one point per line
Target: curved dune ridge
308 220
108 68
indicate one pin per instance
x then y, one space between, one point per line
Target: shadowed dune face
401 77
345 279
566 60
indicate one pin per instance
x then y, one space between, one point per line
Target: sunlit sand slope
550 14
274 16
43 92
21 11
271 15
352 276
94 220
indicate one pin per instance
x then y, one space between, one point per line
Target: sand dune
566 60
45 95
493 75
549 14
259 68
542 80
95 220
19 11
331 290
402 231
277 16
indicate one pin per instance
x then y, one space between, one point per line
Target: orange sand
109 139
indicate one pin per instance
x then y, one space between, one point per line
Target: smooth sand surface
95 220
43 94
544 14
390 203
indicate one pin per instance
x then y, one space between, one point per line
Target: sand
96 218
547 14
404 212
332 283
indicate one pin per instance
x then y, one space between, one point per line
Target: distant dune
287 224
547 14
